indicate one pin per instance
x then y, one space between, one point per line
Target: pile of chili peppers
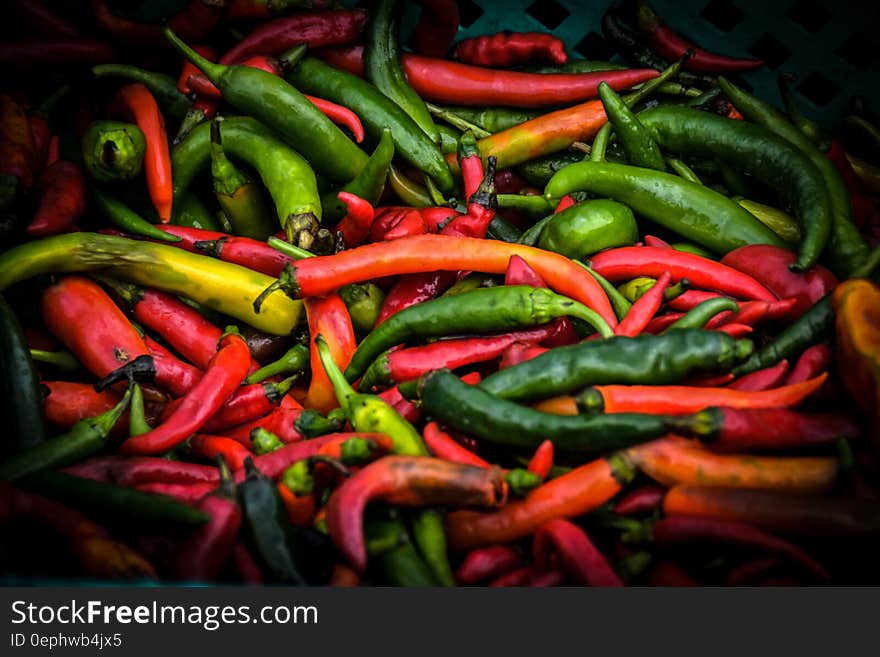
286 302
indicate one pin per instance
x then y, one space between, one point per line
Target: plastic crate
833 48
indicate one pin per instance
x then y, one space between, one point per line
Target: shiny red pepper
487 563
210 447
224 374
578 556
444 446
355 225
62 190
69 402
812 362
246 252
644 309
541 462
172 374
769 377
520 352
281 421
509 49
643 499
328 316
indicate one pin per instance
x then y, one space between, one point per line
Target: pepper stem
212 70
105 422
137 421
289 249
342 388
141 369
286 282
567 306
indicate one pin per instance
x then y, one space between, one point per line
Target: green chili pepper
271 100
22 399
364 301
163 87
448 139
522 481
808 127
498 308
295 359
63 360
600 143
470 282
645 359
687 247
699 315
242 200
682 169
401 564
127 219
864 135
356 451
639 146
264 441
407 190
533 205
267 524
287 176
588 227
539 171
377 112
113 151
775 219
189 211
634 290
696 212
472 410
369 413
499 229
137 421
368 184
846 247
311 424
85 438
456 120
619 303
121 503
382 64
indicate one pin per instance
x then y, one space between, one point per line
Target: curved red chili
578 556
812 362
210 447
643 499
172 374
62 190
355 225
444 446
487 563
769 377
508 49
644 309
541 462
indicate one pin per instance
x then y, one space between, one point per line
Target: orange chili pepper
329 317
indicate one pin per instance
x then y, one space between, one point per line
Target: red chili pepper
812 362
53 152
67 403
42 20
246 252
172 374
509 49
412 289
135 470
529 576
56 52
62 190
746 429
747 573
769 377
18 155
672 46
223 375
444 81
355 225
246 566
470 163
188 236
137 103
80 314
405 408
681 400
679 530
578 556
407 481
651 240
487 563
520 273
736 330
541 462
328 316
316 29
444 446
628 262
210 447
749 313
193 23
186 493
643 499
280 422
520 352
189 69
769 265
669 573
203 554
437 27
392 226
661 323
644 309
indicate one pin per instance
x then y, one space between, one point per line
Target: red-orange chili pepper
747 429
769 377
172 374
541 462
18 156
329 317
193 23
628 262
470 163
135 470
444 446
520 352
80 314
685 530
316 29
189 69
679 400
578 556
300 509
355 225
395 225
528 576
644 309
281 422
247 404
62 189
747 573
210 447
570 495
487 563
137 103
812 362
509 49
409 481
427 253
223 375
437 27
735 330
643 499
69 402
669 573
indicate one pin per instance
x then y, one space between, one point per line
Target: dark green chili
127 219
639 146
699 315
295 359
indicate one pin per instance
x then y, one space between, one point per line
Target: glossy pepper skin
507 49
691 210
857 328
113 151
408 481
283 108
579 557
646 358
638 145
588 227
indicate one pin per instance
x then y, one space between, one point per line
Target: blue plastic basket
833 48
